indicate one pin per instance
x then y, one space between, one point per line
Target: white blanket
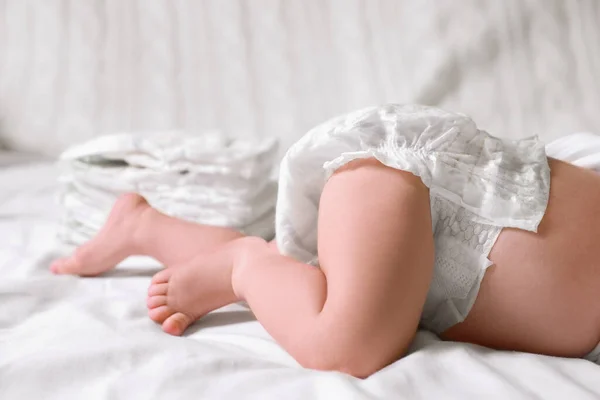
581 149
71 338
207 179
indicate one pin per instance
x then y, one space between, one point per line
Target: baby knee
358 367
359 360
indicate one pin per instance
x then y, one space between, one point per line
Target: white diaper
207 179
478 185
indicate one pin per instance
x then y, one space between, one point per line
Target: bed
69 338
72 70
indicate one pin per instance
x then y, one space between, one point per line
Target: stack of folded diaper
206 179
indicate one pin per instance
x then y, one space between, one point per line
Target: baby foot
178 297
114 242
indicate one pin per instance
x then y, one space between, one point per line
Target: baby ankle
142 226
245 250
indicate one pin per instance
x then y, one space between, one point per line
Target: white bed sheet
72 338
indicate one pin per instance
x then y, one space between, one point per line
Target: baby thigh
375 246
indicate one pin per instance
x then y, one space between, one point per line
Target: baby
422 220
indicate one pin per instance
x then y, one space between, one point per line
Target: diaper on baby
478 185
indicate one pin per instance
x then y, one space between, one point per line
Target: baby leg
135 228
359 311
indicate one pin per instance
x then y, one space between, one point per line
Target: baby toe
160 314
177 323
64 266
156 301
56 265
162 276
159 289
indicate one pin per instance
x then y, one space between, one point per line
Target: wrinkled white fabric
206 179
478 185
594 355
581 149
66 338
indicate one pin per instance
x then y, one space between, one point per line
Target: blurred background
74 69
